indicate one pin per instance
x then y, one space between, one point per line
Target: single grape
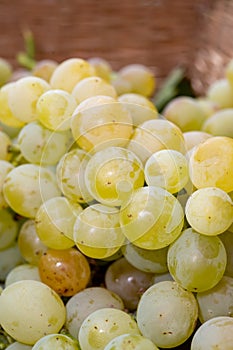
220 123
19 346
208 107
221 92
22 272
5 71
5 168
130 341
44 69
6 115
5 143
10 257
9 228
56 341
194 138
102 67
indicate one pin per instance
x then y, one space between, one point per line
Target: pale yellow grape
121 85
92 86
211 164
5 143
11 131
5 71
44 69
215 333
54 222
6 115
22 272
152 218
27 186
8 228
208 107
69 72
102 325
130 341
195 261
29 310
209 211
19 346
185 113
193 138
112 174
23 96
5 168
54 109
9 258
229 72
155 135
101 121
97 231
83 303
221 92
140 107
167 169
102 67
227 239
56 341
220 123
167 314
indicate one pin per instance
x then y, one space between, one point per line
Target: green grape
83 303
9 258
101 121
102 325
6 115
112 174
167 169
167 314
215 333
29 310
227 239
130 341
97 231
152 261
41 146
152 219
185 113
207 106
5 168
56 341
102 67
44 69
27 186
23 96
5 143
54 221
92 86
55 108
217 301
69 72
220 123
70 176
197 262
221 92
194 138
155 135
8 229
19 346
139 106
209 211
22 272
5 71
30 245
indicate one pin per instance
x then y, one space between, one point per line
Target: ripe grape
5 168
22 272
220 123
8 228
5 71
131 341
44 69
9 258
193 138
221 92
6 115
56 341
102 67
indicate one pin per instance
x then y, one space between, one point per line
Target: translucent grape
102 325
208 107
5 168
44 69
221 92
197 262
29 310
193 138
22 272
220 123
56 341
130 341
5 143
102 67
19 346
152 219
167 314
214 333
8 229
209 211
6 115
5 71
9 258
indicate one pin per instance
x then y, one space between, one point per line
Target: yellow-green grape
56 341
22 272
69 72
102 325
215 333
92 86
211 164
97 231
30 245
229 72
54 109
27 186
112 174
227 239
209 211
141 79
6 115
44 69
5 71
54 222
217 301
185 113
70 176
152 218
101 121
208 107
11 131
40 145
220 123
121 85
152 261
29 310
5 168
83 303
9 258
131 341
194 138
221 92
8 228
23 96
195 261
19 346
102 67
139 106
5 143
155 135
167 314
167 169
